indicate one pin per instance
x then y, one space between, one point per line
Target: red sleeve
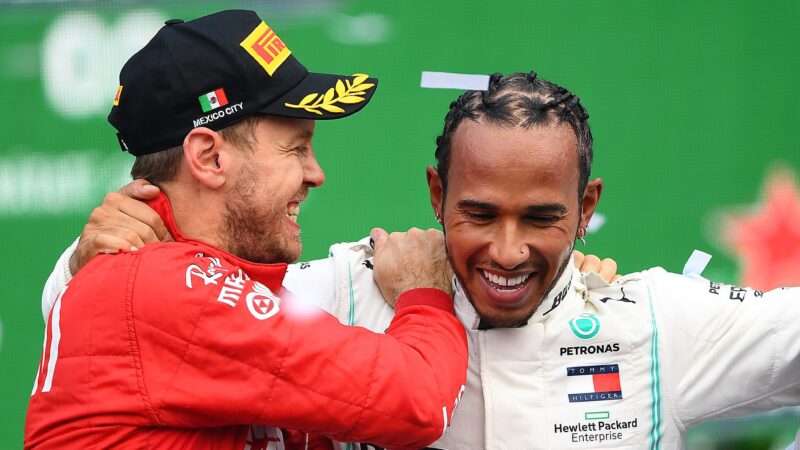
212 355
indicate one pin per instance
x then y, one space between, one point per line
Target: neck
198 212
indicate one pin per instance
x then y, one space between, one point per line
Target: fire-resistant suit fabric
628 365
181 345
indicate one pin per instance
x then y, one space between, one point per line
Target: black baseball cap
216 71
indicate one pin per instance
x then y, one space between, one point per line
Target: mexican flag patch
213 100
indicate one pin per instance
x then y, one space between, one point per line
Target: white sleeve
342 285
57 280
359 300
313 282
728 351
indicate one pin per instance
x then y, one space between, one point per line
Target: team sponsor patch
582 350
593 383
211 275
259 299
585 326
559 298
597 427
266 48
213 100
261 302
735 292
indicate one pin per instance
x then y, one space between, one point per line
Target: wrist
426 297
73 264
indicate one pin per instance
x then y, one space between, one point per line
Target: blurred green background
693 107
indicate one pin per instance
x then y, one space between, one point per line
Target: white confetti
696 263
462 81
597 221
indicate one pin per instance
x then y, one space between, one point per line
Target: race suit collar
270 275
562 290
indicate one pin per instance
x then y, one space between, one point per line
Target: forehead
283 128
536 162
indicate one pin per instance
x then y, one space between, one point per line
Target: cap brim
322 96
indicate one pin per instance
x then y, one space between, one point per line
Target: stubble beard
490 321
254 233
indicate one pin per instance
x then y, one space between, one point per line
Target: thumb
377 237
140 190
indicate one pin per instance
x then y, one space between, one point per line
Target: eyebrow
531 209
305 135
300 136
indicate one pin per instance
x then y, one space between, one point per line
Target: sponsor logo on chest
593 383
596 428
585 326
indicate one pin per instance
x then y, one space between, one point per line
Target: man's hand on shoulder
606 268
122 222
414 259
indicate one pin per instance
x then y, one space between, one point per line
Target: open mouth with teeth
506 289
292 211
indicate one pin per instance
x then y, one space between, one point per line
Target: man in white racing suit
561 360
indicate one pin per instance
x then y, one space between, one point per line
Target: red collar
269 274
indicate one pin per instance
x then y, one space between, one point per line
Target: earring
582 235
438 217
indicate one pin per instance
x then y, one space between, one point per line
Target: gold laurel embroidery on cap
344 92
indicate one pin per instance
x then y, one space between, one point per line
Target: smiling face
261 207
510 214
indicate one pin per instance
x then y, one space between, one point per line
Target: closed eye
543 219
478 216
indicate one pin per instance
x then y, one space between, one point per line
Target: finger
615 278
378 237
577 257
434 233
155 230
608 268
103 244
125 227
140 190
591 263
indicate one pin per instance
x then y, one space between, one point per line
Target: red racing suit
182 345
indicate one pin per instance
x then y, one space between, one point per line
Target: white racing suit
629 365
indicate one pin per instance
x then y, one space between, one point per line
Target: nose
313 174
508 248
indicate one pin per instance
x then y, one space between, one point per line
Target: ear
435 190
591 195
205 151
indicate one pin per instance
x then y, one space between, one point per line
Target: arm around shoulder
252 357
57 280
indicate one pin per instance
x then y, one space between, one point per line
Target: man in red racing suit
193 344
178 345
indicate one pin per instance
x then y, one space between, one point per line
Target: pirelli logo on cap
266 47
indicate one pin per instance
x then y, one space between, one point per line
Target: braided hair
523 100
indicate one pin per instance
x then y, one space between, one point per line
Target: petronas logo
585 326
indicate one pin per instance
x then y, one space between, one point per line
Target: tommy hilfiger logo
593 383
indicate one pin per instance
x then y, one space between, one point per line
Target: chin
499 318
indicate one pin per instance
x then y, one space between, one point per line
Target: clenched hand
121 222
414 259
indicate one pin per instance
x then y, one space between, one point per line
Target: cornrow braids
523 100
